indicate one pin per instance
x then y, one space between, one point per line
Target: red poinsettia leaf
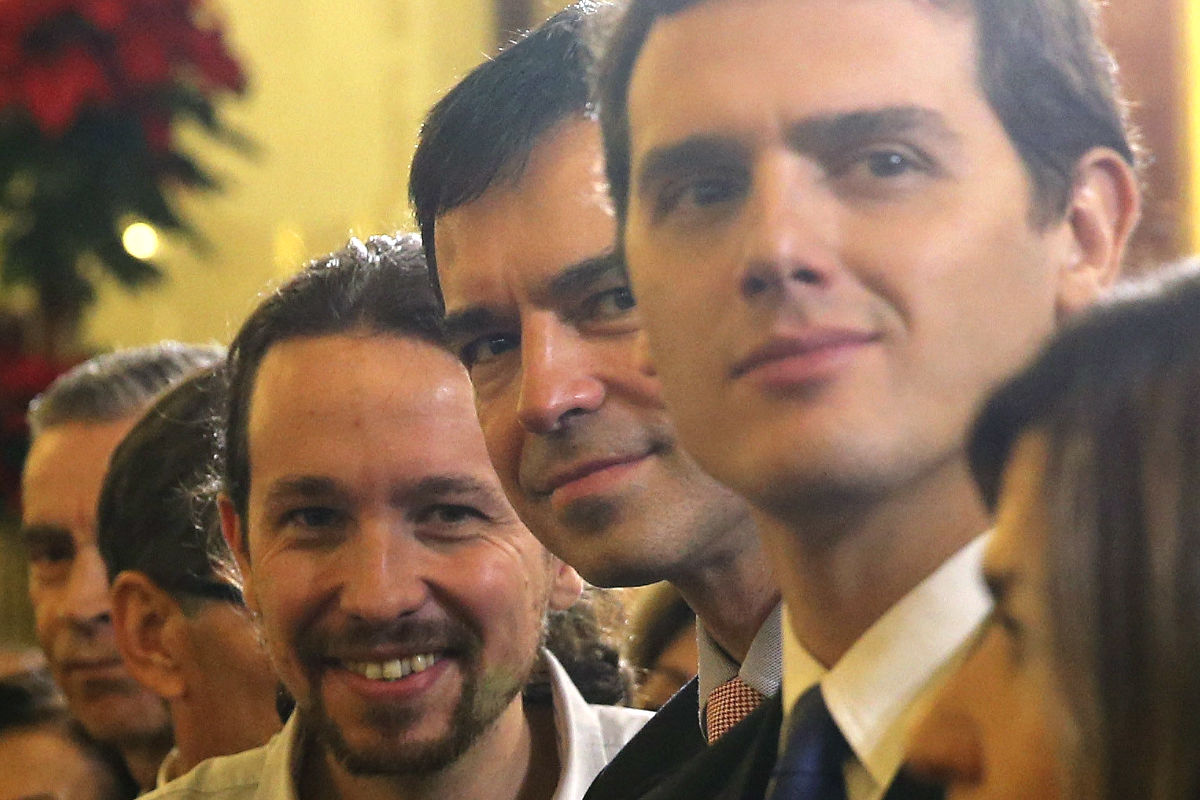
143 59
18 17
55 93
10 50
207 51
107 15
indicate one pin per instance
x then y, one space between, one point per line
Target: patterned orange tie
727 705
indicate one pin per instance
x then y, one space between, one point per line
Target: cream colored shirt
588 738
875 692
166 770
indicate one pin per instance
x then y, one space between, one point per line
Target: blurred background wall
337 93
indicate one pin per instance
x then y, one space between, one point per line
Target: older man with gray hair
76 424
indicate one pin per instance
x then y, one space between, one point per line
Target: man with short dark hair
76 424
507 183
845 222
402 602
180 624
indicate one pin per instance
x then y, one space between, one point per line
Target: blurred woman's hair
30 702
1117 399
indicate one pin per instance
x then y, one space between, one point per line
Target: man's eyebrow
833 131
568 282
40 532
438 485
671 159
471 321
300 486
819 133
582 275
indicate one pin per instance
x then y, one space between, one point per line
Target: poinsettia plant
91 93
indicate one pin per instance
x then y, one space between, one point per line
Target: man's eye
882 163
709 192
608 304
51 552
452 513
313 517
444 517
487 348
698 193
889 163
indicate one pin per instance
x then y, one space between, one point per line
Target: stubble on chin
391 751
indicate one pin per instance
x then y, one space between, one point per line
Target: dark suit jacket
668 758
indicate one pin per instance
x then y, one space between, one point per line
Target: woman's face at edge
998 728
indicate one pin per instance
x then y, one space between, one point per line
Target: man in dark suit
507 183
845 221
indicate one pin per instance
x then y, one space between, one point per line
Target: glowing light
140 240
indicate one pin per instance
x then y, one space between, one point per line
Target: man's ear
565 587
235 539
147 624
1103 209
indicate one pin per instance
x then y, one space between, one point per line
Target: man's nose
85 599
558 381
382 572
788 238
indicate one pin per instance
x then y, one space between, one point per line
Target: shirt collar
166 770
871 691
581 749
762 669
282 762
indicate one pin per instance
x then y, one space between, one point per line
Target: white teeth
392 670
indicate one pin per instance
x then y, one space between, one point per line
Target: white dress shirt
875 691
588 737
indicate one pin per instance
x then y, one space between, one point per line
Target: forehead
759 64
65 471
348 402
504 247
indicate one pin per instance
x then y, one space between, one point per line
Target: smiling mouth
801 357
589 469
393 669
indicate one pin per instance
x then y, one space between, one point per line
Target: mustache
412 635
79 646
589 438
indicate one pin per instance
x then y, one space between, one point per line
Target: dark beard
478 708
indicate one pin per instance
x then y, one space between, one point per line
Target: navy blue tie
811 765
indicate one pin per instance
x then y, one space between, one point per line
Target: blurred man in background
76 424
180 622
